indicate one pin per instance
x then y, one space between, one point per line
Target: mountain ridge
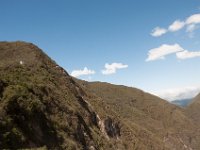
41 106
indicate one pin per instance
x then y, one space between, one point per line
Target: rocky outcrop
112 128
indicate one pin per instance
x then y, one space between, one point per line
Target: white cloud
194 19
191 28
162 51
112 68
176 25
85 71
158 31
190 23
186 54
179 93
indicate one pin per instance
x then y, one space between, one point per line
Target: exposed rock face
112 129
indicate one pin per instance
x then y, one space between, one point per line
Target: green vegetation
39 103
42 107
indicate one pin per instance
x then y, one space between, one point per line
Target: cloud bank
112 68
85 71
179 93
165 49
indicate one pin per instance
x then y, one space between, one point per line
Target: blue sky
121 33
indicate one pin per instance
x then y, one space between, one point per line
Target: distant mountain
42 107
183 102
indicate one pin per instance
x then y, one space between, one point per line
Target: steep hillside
147 122
196 100
41 105
193 109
